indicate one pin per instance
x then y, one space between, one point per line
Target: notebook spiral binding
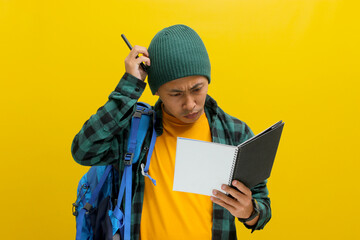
233 166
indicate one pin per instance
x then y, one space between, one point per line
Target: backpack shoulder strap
145 168
139 127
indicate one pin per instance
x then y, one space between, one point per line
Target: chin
185 120
190 120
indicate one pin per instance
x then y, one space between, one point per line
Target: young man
179 73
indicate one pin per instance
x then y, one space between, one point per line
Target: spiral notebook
202 166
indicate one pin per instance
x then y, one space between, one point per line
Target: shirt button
137 89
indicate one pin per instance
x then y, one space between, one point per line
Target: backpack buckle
88 207
138 113
128 159
142 110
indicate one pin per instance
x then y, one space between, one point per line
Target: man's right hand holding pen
133 61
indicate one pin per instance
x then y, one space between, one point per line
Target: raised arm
101 139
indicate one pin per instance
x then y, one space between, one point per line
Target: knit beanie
176 52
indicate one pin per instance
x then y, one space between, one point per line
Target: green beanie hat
176 52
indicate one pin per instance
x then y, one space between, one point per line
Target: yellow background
290 60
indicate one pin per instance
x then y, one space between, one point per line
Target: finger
137 50
223 197
242 188
143 59
234 192
222 204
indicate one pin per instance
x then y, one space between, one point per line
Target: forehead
184 83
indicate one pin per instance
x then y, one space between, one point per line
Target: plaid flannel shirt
103 141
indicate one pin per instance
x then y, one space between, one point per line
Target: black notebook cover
256 156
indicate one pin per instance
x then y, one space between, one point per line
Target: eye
196 89
175 95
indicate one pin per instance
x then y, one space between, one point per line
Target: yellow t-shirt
168 214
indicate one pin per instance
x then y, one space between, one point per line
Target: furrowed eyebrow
192 88
196 86
175 90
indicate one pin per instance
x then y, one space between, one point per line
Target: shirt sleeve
260 193
96 143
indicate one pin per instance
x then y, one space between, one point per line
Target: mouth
191 115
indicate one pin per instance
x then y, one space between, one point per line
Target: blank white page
202 166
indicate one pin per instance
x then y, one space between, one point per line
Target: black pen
142 65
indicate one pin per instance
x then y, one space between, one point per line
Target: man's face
184 98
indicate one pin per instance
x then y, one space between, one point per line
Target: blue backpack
98 215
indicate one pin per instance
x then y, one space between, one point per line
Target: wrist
252 222
252 219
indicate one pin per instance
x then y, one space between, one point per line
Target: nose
189 103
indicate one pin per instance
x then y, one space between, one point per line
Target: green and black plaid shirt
103 140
